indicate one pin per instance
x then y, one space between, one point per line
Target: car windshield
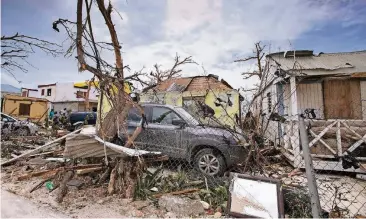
187 116
7 118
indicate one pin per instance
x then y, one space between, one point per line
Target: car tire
209 162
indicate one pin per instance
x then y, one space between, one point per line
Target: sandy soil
15 206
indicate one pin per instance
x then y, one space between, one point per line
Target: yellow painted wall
37 108
225 114
106 105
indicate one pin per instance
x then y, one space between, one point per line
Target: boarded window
42 92
24 109
342 99
49 92
80 94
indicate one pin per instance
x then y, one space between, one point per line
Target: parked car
78 119
12 125
176 133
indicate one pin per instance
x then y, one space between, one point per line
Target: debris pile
85 166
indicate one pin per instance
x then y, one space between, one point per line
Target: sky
213 32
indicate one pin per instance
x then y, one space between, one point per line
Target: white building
330 90
66 95
29 92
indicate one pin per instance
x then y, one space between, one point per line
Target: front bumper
237 154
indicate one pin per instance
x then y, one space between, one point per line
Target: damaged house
32 108
189 91
329 89
69 95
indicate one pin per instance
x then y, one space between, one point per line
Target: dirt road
15 206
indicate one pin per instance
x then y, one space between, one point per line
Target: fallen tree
123 171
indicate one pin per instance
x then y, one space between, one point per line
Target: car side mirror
179 122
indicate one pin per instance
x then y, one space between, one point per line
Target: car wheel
23 131
210 162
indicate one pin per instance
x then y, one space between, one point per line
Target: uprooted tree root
124 175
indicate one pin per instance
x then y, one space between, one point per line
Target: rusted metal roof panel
164 86
206 83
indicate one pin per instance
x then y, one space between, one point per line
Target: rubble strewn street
87 194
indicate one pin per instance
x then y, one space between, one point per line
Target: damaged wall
25 107
224 111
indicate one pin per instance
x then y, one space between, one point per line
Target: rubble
205 205
174 194
181 206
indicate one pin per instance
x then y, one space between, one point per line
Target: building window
24 93
24 109
42 92
80 94
49 92
269 102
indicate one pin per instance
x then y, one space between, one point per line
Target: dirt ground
92 203
15 206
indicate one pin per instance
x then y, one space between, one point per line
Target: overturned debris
88 144
49 144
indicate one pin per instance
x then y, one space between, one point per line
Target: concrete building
35 109
67 95
29 92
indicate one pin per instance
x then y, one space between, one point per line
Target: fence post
313 190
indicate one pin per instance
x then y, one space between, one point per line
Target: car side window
164 116
134 115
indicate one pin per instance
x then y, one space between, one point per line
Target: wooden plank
323 142
356 145
339 139
363 98
321 134
293 98
342 99
336 104
353 131
332 165
47 145
88 170
355 99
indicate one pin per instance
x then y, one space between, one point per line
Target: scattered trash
181 206
205 205
49 185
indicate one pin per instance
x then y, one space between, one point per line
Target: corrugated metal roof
324 63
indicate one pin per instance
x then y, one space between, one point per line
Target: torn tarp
88 144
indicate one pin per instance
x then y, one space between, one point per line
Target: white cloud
212 32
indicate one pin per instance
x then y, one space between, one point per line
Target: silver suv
176 133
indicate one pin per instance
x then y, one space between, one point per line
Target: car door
163 135
133 121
